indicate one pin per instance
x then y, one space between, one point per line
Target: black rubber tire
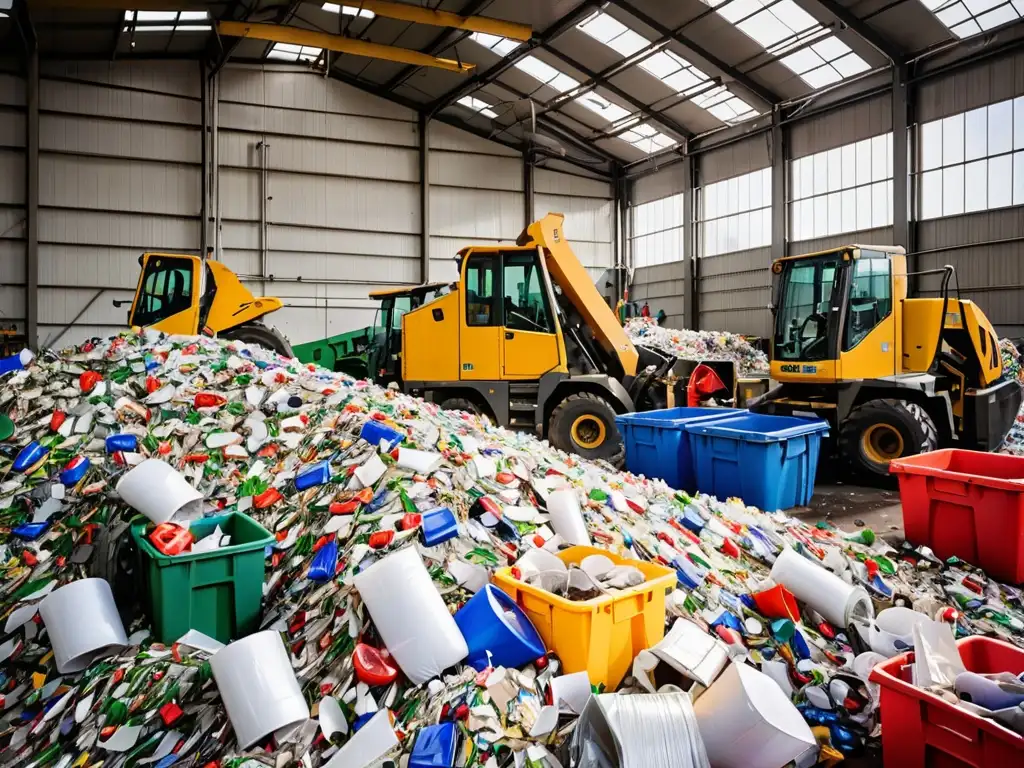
115 560
915 426
460 404
566 412
257 333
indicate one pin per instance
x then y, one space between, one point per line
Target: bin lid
759 427
674 417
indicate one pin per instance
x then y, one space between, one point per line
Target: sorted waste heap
243 425
1014 442
699 346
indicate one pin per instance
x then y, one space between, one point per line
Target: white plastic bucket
746 721
411 616
255 678
159 491
83 624
840 603
892 632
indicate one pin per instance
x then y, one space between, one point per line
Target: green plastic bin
218 593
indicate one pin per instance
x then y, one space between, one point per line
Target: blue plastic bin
435 746
657 444
492 622
768 461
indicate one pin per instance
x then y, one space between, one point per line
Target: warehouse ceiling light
670 68
794 37
348 10
970 17
296 53
477 105
167 21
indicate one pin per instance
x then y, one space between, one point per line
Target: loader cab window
870 297
803 313
480 290
166 290
525 301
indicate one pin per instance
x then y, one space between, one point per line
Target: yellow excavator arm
578 287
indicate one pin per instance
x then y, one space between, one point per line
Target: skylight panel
721 103
172 21
647 139
294 53
348 10
478 105
786 31
614 34
502 46
971 17
601 106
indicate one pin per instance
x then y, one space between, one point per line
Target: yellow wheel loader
893 375
525 337
177 294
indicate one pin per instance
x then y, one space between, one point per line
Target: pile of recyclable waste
435 591
1014 442
699 346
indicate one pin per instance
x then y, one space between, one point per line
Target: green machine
371 352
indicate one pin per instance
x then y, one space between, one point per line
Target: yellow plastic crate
600 636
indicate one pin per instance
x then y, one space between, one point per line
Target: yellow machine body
894 375
170 297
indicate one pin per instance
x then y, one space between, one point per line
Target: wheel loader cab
167 294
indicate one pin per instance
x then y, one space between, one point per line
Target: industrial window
166 21
972 161
845 189
657 236
480 290
296 53
670 68
735 214
870 297
166 290
789 33
969 17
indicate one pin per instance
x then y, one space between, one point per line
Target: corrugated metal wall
476 196
660 285
342 189
589 208
733 288
12 197
120 173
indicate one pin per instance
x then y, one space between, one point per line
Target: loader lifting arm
576 285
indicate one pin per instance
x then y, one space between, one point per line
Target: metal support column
424 123
690 265
778 157
529 176
902 227
204 159
32 199
619 204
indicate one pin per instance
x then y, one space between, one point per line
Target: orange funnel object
703 381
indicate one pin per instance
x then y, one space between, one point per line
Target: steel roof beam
470 23
483 78
600 79
339 43
864 31
726 70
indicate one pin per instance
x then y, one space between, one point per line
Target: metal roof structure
613 86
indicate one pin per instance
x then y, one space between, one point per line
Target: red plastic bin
966 503
920 730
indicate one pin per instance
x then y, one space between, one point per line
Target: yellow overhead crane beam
295 36
420 15
386 8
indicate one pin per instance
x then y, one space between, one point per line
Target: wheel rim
882 443
588 431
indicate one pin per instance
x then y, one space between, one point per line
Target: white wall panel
554 183
447 137
12 176
476 171
12 197
114 138
82 99
468 213
588 225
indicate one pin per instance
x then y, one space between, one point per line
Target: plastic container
921 730
966 503
599 636
657 444
435 747
491 622
217 592
768 461
82 623
257 683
